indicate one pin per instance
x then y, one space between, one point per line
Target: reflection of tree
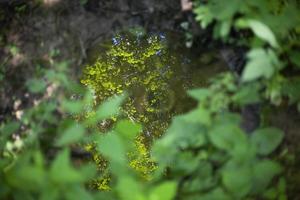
142 66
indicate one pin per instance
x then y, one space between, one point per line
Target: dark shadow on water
156 69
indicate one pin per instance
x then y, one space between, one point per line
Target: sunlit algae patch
144 67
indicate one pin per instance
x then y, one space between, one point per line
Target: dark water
156 69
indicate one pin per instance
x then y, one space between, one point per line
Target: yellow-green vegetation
141 160
142 67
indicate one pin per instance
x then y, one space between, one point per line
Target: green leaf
266 140
270 193
228 137
164 191
199 94
183 134
61 170
9 128
109 108
263 173
36 85
180 134
71 135
185 163
238 180
291 88
295 58
75 107
83 2
222 11
263 32
77 193
6 130
28 173
88 171
111 146
225 28
128 129
199 115
217 193
129 187
202 178
203 15
282 185
247 94
14 50
260 64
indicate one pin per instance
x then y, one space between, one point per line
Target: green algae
154 70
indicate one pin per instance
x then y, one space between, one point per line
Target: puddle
155 69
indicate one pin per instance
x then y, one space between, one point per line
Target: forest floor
34 35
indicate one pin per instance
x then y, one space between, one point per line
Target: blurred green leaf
238 180
203 178
194 116
217 193
270 193
28 173
109 108
75 107
295 58
199 115
129 188
282 184
203 15
36 85
291 89
6 130
83 2
247 94
9 128
263 173
62 172
164 191
14 50
225 28
128 129
227 137
88 171
199 94
260 64
77 193
266 140
260 29
111 146
184 164
71 135
222 11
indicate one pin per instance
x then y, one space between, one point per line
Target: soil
65 30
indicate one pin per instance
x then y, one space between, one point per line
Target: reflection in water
153 69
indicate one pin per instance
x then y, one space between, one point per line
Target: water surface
156 69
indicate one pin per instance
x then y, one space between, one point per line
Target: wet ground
155 68
34 35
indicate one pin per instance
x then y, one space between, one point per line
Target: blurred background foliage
204 153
